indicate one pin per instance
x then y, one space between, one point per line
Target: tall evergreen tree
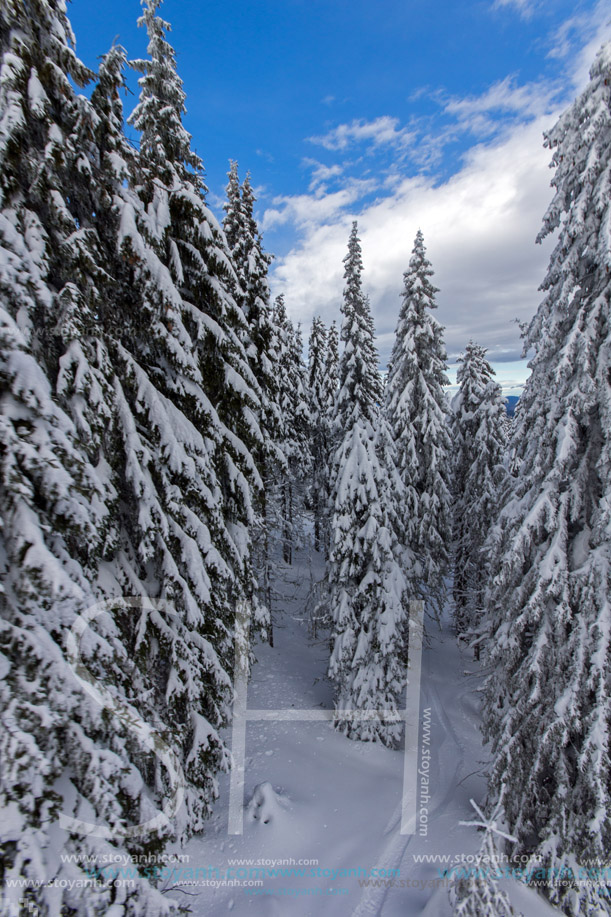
191 247
319 496
252 293
331 375
366 583
61 751
548 705
188 387
329 394
295 412
262 346
479 440
317 359
418 415
233 221
127 412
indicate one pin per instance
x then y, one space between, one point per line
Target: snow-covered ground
322 817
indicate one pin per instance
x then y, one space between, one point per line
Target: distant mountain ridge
510 404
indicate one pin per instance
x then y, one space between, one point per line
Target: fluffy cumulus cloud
479 228
479 225
383 131
308 211
502 103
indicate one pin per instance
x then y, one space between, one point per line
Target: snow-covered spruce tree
319 485
419 418
233 221
548 706
330 389
331 374
190 242
479 440
252 293
260 340
295 413
186 403
366 584
61 752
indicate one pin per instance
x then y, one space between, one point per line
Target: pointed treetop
473 364
331 374
248 196
248 206
280 308
417 286
353 262
165 145
317 352
232 206
360 383
105 97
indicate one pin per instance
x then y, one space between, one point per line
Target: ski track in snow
340 801
393 853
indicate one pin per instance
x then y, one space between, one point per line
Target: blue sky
396 113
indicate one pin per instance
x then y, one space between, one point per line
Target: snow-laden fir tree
62 752
480 444
317 360
262 346
319 485
367 588
233 220
295 413
252 293
548 705
329 394
110 318
331 374
190 243
188 404
419 418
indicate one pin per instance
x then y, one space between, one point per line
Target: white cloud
504 98
479 225
479 228
587 34
383 131
525 8
307 211
322 173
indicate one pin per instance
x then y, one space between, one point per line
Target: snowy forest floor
336 803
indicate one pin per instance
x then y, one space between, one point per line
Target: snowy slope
323 797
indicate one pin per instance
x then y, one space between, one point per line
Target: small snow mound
265 804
